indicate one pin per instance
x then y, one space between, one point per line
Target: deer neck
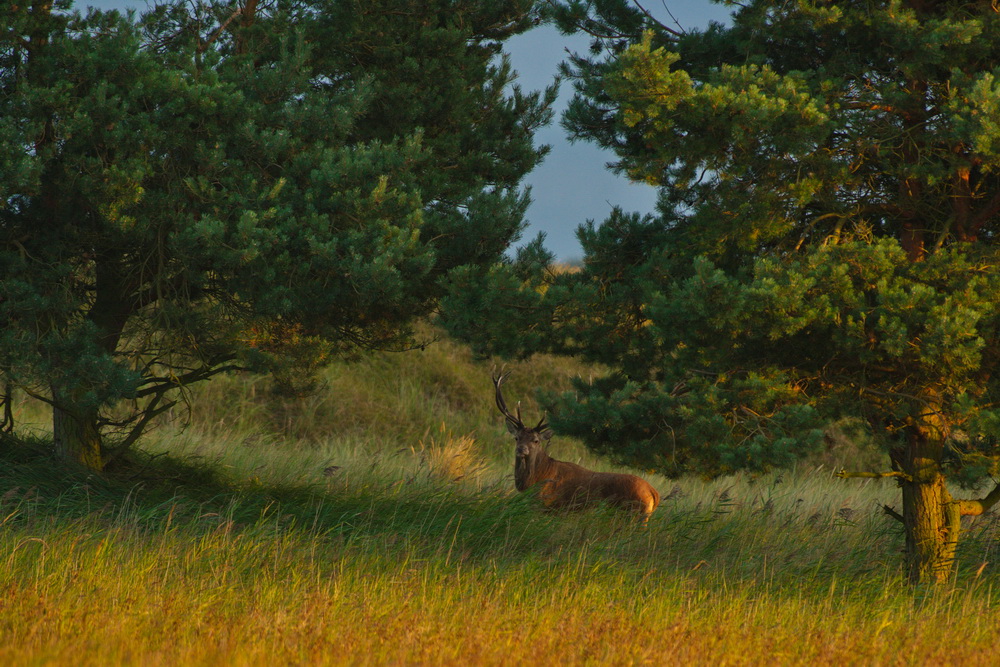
528 470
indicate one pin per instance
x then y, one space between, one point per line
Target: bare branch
981 506
203 46
159 385
983 216
657 21
39 397
149 413
843 474
891 511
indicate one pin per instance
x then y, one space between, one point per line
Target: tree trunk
932 527
77 438
930 515
75 427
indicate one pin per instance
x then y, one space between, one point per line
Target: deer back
572 486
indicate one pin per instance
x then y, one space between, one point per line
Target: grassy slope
375 522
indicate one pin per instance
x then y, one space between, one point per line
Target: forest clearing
263 271
376 522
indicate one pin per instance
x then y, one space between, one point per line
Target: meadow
374 521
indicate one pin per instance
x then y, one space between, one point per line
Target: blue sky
573 184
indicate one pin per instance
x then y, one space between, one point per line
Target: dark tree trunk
77 438
76 430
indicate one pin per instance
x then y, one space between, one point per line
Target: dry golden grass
266 595
375 523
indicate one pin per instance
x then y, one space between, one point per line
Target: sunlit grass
372 568
375 522
378 572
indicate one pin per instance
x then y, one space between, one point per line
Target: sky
573 184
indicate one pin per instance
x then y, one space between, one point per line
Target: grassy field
375 522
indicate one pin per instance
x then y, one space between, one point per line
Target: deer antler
502 405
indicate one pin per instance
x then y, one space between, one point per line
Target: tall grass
375 523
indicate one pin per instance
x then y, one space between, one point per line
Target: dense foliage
824 247
252 185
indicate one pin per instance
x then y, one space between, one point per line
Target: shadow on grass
451 525
156 493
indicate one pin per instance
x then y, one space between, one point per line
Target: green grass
375 523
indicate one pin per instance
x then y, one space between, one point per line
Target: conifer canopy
825 246
252 185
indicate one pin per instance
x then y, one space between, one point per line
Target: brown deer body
568 485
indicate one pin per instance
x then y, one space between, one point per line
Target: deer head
528 451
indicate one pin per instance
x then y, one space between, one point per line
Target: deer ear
546 434
511 427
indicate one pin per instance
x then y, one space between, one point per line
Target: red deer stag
564 484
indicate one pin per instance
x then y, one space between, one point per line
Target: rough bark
931 517
77 438
932 526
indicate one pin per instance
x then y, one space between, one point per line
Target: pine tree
203 189
824 246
